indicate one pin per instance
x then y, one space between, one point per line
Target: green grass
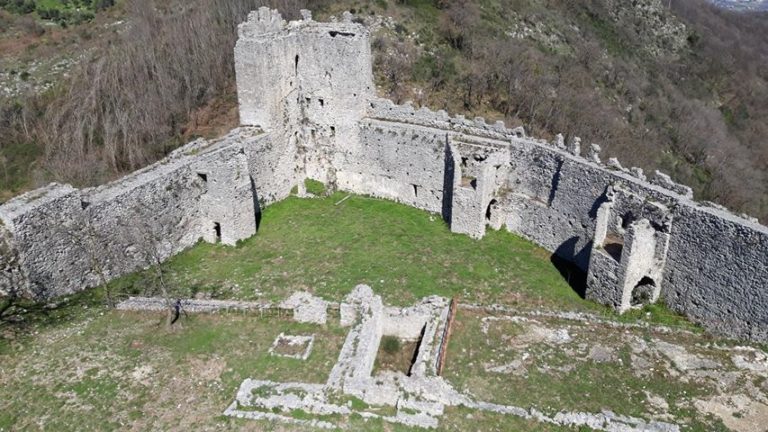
82 358
402 252
86 375
314 187
555 380
83 375
63 12
390 344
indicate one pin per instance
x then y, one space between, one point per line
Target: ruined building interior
309 110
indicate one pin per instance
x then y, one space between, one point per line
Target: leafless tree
151 237
93 244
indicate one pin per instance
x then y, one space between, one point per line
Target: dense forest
678 85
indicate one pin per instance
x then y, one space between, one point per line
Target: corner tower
305 82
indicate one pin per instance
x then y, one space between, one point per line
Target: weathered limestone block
638 172
559 142
665 181
575 147
353 370
353 302
307 308
594 153
13 280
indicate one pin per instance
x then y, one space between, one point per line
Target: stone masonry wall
71 239
310 93
716 264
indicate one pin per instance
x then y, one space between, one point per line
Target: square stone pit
291 346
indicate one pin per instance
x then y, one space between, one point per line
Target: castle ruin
308 110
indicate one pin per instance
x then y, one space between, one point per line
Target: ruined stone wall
551 194
717 271
308 85
400 162
46 225
71 239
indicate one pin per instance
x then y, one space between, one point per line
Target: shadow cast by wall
256 205
448 178
565 258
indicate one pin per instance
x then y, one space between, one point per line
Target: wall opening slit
335 33
217 231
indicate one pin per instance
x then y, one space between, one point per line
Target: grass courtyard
83 366
403 253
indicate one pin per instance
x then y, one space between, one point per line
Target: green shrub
390 344
314 187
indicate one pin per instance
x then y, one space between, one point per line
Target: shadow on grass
574 276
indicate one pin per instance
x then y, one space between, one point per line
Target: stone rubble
306 307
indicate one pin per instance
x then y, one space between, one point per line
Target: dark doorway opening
489 210
614 245
217 231
642 293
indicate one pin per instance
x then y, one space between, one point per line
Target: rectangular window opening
614 245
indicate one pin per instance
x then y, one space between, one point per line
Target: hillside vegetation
679 85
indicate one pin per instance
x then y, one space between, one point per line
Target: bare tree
152 237
93 244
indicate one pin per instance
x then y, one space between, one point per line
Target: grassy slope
555 379
401 252
116 370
